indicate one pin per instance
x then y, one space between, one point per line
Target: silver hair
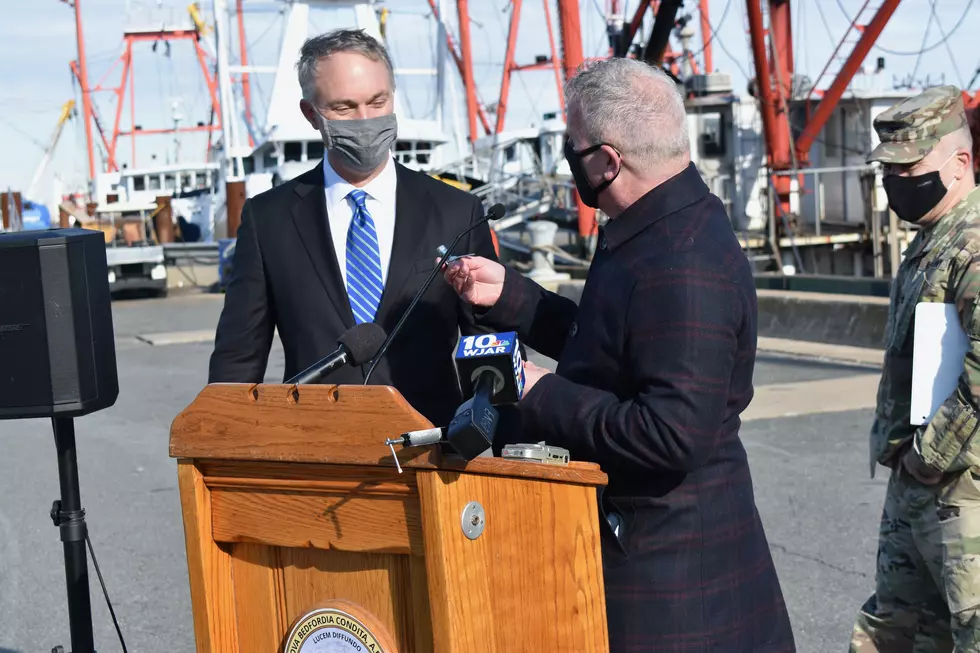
342 40
631 106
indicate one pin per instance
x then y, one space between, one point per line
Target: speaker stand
67 514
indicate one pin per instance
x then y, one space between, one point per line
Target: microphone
493 366
357 346
497 353
475 422
495 213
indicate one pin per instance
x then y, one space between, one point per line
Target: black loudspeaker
57 348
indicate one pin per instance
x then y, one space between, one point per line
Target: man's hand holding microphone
480 282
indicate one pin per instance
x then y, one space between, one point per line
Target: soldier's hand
919 470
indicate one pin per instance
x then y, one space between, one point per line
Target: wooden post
163 221
64 218
235 192
8 218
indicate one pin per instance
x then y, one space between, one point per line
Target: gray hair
341 40
959 139
631 106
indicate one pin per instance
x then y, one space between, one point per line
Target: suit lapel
309 214
410 228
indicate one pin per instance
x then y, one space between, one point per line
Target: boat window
292 151
314 150
139 183
154 182
423 151
248 164
169 182
403 146
711 140
185 181
270 161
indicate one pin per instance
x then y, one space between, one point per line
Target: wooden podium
291 500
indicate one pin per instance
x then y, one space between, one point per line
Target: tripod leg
70 518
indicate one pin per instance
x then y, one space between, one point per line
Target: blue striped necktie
364 284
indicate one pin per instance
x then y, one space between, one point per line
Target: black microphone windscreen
363 342
496 212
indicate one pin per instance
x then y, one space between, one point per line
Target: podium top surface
342 425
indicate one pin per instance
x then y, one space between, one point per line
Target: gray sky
37 42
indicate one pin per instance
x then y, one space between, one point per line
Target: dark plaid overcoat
654 367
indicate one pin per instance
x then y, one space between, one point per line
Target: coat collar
309 214
678 192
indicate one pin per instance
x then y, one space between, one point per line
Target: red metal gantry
571 44
82 74
128 79
571 58
772 52
774 68
564 63
568 63
167 36
773 60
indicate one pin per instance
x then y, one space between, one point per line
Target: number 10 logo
485 341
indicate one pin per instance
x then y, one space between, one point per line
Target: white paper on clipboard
938 350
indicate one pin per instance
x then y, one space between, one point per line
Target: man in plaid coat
654 368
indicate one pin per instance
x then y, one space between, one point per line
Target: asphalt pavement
813 490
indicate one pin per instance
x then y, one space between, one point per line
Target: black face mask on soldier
912 197
588 194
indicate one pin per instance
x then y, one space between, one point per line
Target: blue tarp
36 217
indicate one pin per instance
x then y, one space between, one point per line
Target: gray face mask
362 144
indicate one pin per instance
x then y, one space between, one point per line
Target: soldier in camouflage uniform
927 595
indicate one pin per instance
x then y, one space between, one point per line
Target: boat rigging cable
949 51
714 30
915 53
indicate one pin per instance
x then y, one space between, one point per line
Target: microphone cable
105 592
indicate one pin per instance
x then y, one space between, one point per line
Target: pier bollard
543 234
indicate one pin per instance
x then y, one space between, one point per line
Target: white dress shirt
380 203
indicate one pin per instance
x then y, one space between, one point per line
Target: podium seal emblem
335 629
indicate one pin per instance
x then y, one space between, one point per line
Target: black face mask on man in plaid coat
654 367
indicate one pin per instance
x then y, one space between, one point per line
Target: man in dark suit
654 368
350 241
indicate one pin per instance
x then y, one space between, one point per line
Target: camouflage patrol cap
910 129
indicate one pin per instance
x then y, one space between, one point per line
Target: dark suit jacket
286 277
655 366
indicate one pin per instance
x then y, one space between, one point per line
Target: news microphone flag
498 352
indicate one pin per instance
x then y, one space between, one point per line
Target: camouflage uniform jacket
942 264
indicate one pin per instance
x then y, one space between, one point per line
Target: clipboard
939 348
